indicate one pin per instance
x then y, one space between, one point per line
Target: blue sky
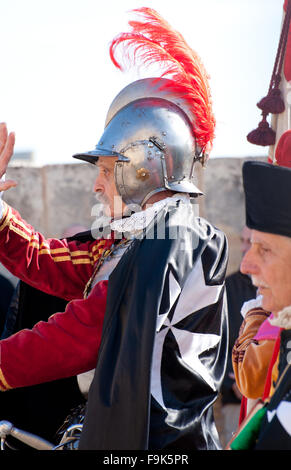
57 82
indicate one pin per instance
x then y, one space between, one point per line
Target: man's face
105 187
268 262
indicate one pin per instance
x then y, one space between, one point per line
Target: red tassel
272 103
263 135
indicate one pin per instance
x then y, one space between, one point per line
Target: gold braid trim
7 214
104 252
76 257
3 383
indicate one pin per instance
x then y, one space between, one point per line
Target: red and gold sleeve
57 267
64 346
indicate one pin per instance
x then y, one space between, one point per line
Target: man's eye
265 250
103 171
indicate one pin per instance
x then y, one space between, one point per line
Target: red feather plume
154 41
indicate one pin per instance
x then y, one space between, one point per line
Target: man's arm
57 267
53 266
7 142
64 346
250 357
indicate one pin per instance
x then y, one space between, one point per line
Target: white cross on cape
194 296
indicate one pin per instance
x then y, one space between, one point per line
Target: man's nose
245 246
98 186
248 264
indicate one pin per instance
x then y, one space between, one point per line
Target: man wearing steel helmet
146 315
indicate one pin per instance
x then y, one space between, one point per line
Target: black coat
122 412
6 293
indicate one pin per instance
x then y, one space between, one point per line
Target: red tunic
68 343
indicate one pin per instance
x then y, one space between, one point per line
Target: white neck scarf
140 220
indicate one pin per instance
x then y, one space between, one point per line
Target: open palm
7 142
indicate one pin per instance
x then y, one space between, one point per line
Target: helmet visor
93 155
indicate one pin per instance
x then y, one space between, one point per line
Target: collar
250 304
138 221
282 319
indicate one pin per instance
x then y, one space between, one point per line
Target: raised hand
7 142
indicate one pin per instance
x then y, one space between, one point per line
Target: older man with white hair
268 261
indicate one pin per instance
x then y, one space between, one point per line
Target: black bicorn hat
267 197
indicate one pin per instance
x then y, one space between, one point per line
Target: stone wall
54 197
223 203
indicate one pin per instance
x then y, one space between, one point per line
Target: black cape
121 413
275 430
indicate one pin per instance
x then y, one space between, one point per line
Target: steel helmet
152 138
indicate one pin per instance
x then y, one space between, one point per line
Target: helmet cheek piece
142 174
148 170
